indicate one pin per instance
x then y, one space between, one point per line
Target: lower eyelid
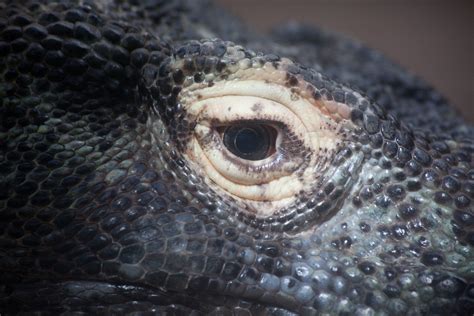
252 192
275 163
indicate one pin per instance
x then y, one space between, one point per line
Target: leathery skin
104 211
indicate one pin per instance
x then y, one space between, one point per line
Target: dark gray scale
99 215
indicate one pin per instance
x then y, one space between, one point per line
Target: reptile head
145 171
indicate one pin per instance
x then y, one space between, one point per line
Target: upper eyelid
215 111
275 124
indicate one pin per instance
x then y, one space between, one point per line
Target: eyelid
310 136
309 114
262 192
234 108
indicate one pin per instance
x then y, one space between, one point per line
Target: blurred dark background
432 38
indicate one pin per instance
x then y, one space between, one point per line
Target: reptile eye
250 141
258 141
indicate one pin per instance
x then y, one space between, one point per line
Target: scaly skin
101 210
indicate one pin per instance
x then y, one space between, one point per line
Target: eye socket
250 141
253 147
257 142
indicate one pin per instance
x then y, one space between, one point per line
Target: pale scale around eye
304 133
238 108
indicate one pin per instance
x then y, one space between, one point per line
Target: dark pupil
251 142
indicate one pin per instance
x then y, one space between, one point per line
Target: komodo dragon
159 157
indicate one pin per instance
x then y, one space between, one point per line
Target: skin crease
102 212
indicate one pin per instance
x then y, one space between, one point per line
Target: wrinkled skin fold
104 208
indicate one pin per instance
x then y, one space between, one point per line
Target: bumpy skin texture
100 213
